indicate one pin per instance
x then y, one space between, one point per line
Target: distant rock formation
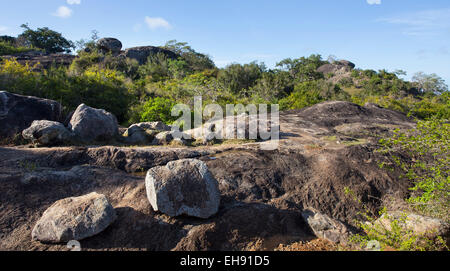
40 60
337 66
112 45
142 53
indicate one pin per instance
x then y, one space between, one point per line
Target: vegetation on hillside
128 89
136 93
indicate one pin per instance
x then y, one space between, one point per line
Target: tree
303 69
46 39
195 60
429 83
237 77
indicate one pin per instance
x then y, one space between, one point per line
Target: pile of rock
241 127
86 125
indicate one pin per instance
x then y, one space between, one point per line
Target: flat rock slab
74 219
183 187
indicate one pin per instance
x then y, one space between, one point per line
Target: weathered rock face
74 219
40 61
340 66
18 112
142 53
89 124
324 227
183 187
47 133
110 45
262 193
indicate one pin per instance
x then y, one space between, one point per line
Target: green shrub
428 169
99 88
157 109
7 48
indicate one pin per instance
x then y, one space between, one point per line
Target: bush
240 78
7 48
100 88
428 169
157 109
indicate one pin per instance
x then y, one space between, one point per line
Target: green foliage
310 93
100 88
429 83
392 233
46 39
7 48
303 69
428 169
196 61
157 109
239 78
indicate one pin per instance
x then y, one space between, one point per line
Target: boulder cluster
140 54
41 122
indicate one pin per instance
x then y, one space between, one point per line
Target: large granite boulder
89 124
183 187
110 45
142 53
46 132
74 218
17 112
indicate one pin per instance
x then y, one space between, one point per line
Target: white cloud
154 23
374 2
422 23
3 28
63 12
73 2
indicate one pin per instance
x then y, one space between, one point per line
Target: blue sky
412 35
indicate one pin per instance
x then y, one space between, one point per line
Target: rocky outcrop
41 61
341 66
17 112
262 193
183 187
47 133
74 219
142 53
110 45
89 124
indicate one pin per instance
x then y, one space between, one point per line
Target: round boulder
89 124
74 219
110 45
46 132
183 187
